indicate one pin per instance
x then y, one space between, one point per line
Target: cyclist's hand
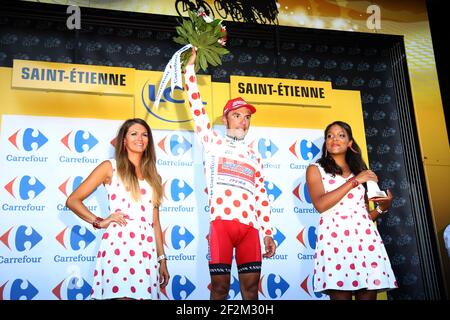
193 56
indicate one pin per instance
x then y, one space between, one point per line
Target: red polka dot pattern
120 269
348 245
242 190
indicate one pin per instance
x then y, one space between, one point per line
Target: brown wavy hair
127 171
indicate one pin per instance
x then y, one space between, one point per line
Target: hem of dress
356 289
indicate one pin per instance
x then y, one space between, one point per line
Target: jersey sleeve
263 212
201 120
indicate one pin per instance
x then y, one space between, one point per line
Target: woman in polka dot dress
130 262
350 257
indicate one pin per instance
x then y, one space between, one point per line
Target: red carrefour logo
307 285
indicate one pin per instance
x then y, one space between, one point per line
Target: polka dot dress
350 254
233 170
126 263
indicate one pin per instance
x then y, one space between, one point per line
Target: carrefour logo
28 139
308 286
177 189
267 148
180 237
235 288
72 288
307 237
20 238
274 286
305 149
80 141
182 287
278 237
272 190
174 145
18 289
26 187
75 238
301 193
70 184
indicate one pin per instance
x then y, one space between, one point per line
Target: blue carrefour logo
72 288
235 288
77 238
32 139
24 238
179 189
307 149
177 145
26 185
266 148
82 141
18 290
181 284
276 286
308 239
279 237
272 190
178 235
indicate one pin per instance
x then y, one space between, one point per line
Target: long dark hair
352 157
126 169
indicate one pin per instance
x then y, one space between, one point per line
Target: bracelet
380 211
354 182
96 222
161 257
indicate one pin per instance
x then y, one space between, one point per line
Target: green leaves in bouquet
204 36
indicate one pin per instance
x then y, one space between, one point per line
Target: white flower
202 13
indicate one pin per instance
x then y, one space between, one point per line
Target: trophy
374 192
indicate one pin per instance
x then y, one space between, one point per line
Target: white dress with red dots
126 263
235 181
350 254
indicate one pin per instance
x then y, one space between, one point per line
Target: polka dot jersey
235 181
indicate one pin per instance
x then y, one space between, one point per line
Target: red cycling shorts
224 235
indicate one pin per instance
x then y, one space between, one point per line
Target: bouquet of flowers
207 35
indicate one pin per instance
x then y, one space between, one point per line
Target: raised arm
201 120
